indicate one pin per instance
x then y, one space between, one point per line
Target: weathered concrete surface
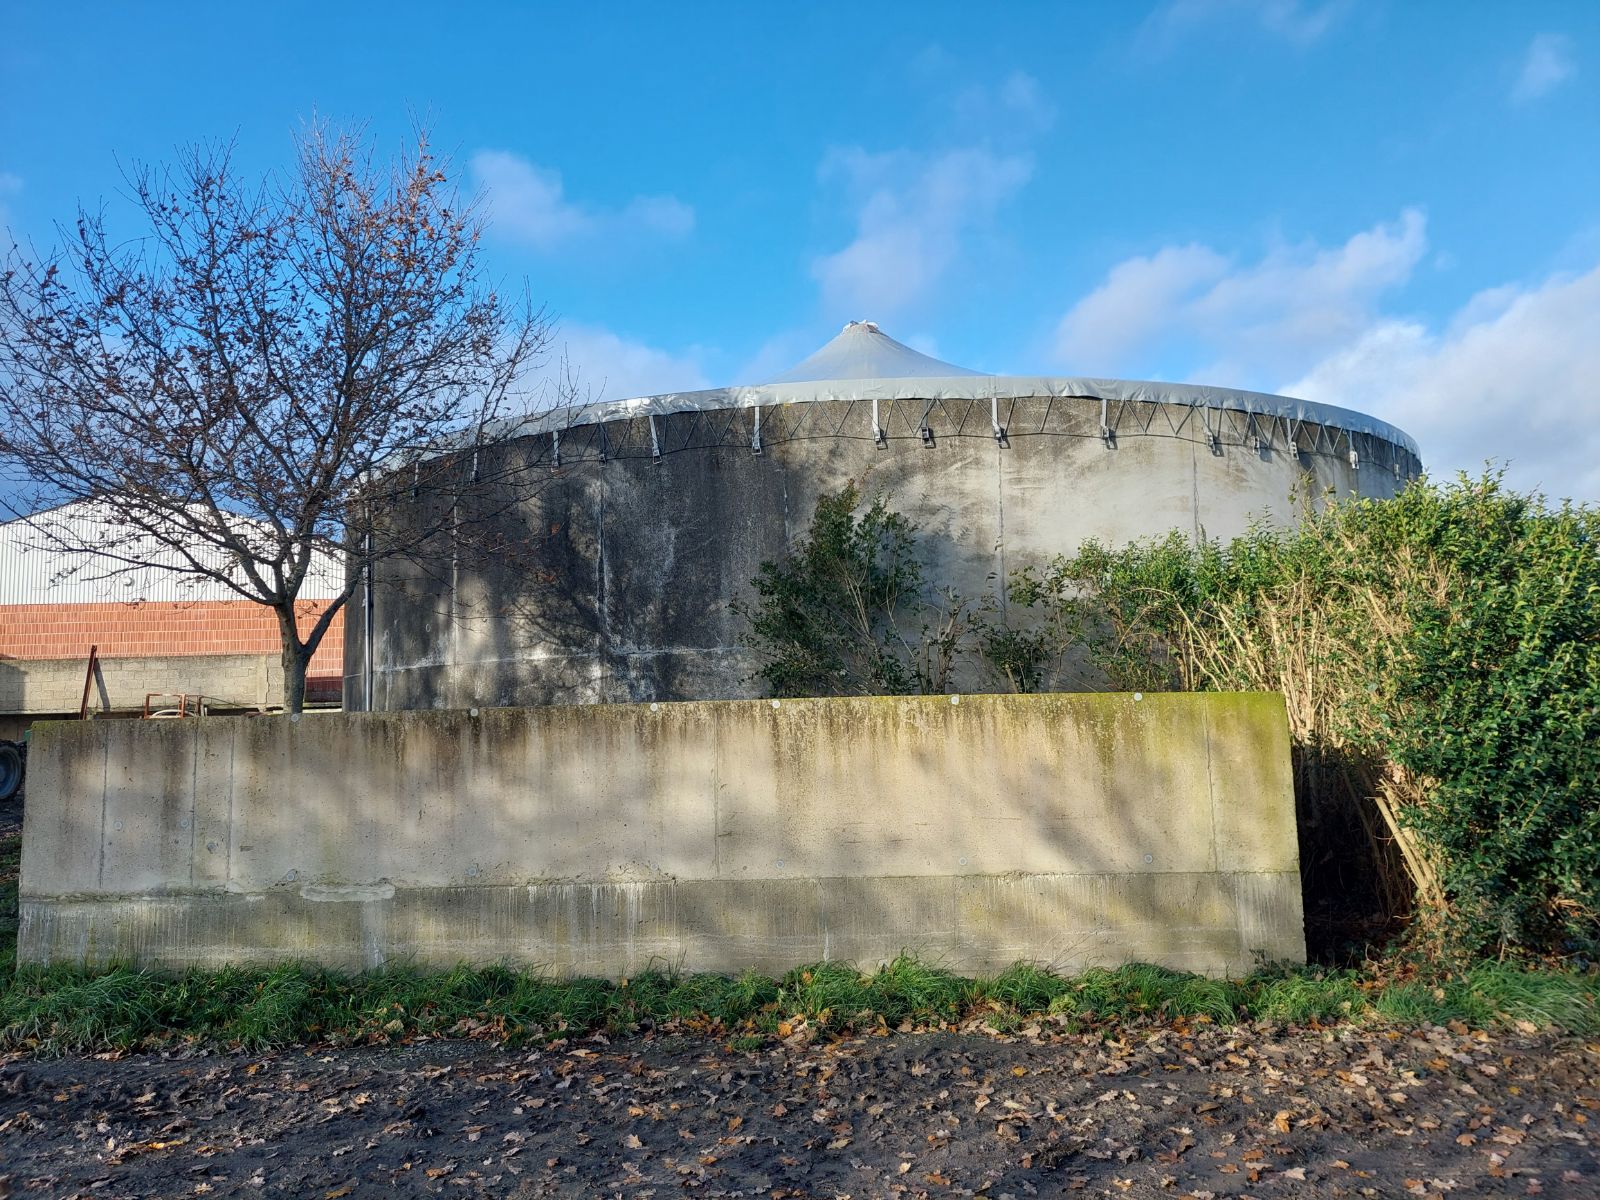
54 686
615 575
974 830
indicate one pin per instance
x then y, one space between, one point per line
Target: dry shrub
1439 656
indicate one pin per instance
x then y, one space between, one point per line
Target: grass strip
61 1010
65 1010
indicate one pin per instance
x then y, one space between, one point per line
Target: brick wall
158 629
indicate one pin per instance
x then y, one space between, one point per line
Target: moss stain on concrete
724 834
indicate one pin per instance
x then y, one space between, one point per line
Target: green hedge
1445 645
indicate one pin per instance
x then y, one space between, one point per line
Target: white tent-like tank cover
863 363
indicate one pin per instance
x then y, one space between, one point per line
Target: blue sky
1389 205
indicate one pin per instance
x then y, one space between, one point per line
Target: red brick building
153 633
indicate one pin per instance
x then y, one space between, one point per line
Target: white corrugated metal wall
33 573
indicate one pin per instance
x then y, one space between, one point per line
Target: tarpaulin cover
863 363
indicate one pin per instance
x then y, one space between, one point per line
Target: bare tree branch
258 376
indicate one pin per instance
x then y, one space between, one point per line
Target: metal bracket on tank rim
755 435
555 447
994 421
1107 434
1213 439
925 431
655 442
879 436
1255 432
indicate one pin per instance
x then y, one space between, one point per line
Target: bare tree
262 372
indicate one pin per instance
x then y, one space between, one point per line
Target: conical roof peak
863 351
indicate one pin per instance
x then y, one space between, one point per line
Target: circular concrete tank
645 519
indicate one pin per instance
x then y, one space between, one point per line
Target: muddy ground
1177 1112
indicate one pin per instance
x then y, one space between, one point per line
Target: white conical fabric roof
864 363
863 351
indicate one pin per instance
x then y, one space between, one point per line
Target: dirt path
1204 1112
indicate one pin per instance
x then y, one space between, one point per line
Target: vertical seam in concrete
194 798
603 625
1228 881
1194 491
783 480
1211 786
1000 527
827 919
105 776
453 616
233 787
716 819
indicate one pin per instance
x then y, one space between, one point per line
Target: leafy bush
849 610
1440 657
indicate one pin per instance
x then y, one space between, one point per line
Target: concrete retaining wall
55 685
974 831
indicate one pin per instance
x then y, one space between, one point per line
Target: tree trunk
296 658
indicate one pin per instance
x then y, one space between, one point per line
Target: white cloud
597 364
1546 66
1298 22
1515 376
528 203
665 215
777 354
1295 304
1017 106
914 215
1139 296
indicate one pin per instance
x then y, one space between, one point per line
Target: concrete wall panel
975 830
48 687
